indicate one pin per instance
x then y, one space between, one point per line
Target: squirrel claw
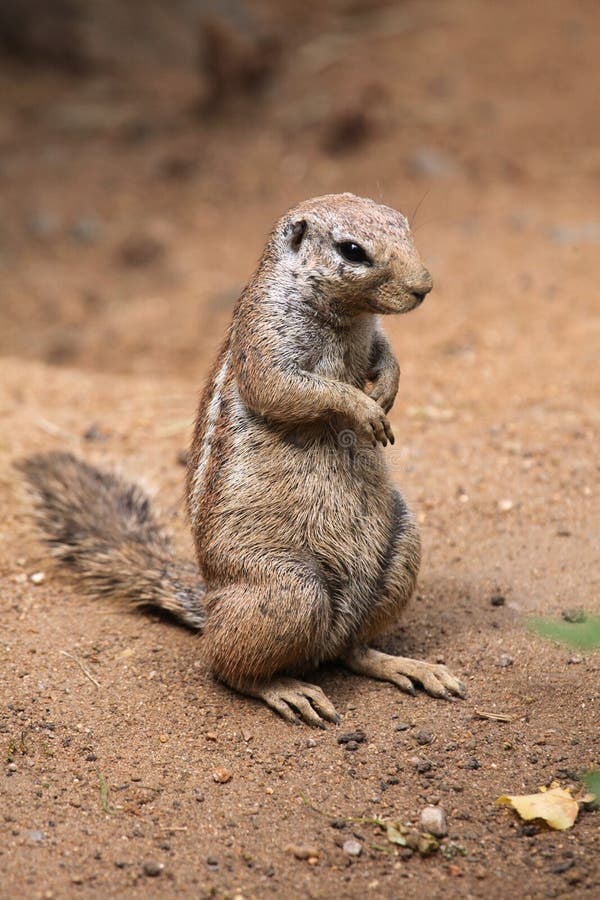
298 702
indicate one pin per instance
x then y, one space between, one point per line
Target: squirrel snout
421 286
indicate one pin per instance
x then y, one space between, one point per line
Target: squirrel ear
297 232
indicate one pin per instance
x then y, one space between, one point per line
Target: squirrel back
103 528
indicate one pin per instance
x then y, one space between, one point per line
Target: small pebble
212 863
310 743
351 745
424 737
574 615
402 726
422 766
304 851
473 764
153 869
37 577
505 660
505 505
358 737
433 821
352 848
497 600
93 433
222 776
35 836
87 229
575 659
12 767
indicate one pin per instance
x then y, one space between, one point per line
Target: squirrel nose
419 289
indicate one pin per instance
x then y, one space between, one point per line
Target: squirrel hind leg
257 630
102 527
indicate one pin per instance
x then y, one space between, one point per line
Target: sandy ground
128 226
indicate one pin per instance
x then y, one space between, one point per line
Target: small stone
422 766
505 660
12 767
357 736
497 600
424 737
93 433
120 863
152 869
402 726
310 743
91 757
472 764
211 736
141 250
505 505
433 821
304 851
43 224
87 229
351 745
212 863
561 867
431 163
352 848
222 776
574 615
37 577
35 836
575 659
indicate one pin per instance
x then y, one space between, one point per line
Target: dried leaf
394 835
556 807
427 844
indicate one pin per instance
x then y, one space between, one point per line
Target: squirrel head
353 253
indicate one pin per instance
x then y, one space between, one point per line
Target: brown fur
307 550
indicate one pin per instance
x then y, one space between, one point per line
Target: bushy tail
103 528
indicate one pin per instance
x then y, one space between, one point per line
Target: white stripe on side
211 421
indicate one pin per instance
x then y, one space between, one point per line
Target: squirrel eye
353 253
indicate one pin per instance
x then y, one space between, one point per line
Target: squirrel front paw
384 385
371 421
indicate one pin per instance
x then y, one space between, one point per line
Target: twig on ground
81 666
496 717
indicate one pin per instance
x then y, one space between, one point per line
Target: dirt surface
131 216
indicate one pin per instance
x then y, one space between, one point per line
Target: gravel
352 848
433 821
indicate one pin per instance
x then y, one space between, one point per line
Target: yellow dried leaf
555 806
394 835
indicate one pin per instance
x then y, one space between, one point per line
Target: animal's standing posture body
307 550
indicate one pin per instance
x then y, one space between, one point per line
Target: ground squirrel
307 551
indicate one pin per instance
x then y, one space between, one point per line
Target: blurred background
146 147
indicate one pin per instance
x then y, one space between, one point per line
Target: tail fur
103 528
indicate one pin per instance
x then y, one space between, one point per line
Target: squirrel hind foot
295 701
